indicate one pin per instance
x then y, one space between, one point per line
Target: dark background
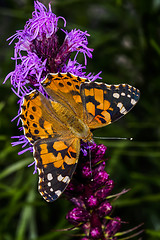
126 39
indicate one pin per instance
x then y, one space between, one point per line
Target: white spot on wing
49 184
59 178
58 193
116 95
121 108
133 101
123 94
49 176
66 179
119 105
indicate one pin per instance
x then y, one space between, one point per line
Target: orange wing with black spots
39 119
65 88
104 104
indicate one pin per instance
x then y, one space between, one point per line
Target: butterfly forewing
38 118
65 88
104 103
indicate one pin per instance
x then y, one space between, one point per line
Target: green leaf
15 167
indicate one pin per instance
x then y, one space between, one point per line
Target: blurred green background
126 37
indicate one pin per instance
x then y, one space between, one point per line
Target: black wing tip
50 196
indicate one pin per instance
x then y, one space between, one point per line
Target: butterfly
54 125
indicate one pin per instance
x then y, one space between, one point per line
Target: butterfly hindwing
56 161
104 103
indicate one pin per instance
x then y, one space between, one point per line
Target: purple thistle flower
38 50
76 40
28 72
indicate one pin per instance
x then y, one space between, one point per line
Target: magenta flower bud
101 178
86 171
113 227
110 184
99 168
104 192
92 202
77 215
99 153
96 226
78 202
95 233
104 209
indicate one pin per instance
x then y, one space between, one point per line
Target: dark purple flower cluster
88 191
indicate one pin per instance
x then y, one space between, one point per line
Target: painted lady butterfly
56 125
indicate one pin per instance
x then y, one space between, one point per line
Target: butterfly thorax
73 122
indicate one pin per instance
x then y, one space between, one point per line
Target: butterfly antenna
114 138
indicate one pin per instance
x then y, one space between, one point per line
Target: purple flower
92 208
112 227
38 51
